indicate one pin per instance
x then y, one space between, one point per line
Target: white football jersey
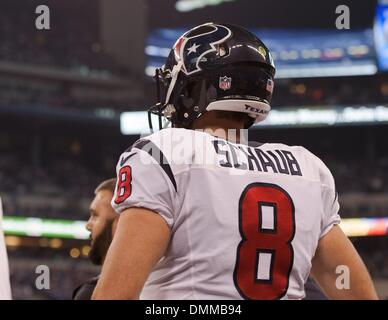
5 289
245 221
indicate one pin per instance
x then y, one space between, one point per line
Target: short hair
109 185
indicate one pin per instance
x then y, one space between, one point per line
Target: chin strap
159 107
174 77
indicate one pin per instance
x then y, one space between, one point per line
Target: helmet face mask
214 67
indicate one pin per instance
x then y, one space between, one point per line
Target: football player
204 217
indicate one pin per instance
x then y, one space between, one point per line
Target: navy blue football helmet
214 67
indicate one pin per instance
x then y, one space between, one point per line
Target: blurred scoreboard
381 34
296 53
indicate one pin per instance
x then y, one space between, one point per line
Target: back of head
219 67
108 185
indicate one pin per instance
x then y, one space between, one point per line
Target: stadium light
69 229
190 5
136 122
48 228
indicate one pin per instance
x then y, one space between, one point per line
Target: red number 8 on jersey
124 187
265 255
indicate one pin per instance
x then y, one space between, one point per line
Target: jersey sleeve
330 202
142 182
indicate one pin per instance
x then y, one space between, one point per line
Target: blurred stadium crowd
68 273
63 189
65 274
72 44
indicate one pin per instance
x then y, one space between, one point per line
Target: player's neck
226 133
225 128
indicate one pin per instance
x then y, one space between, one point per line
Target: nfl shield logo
225 83
270 85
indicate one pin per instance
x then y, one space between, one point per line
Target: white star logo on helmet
193 48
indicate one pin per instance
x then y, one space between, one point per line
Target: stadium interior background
63 90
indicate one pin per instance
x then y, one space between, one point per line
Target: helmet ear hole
223 50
